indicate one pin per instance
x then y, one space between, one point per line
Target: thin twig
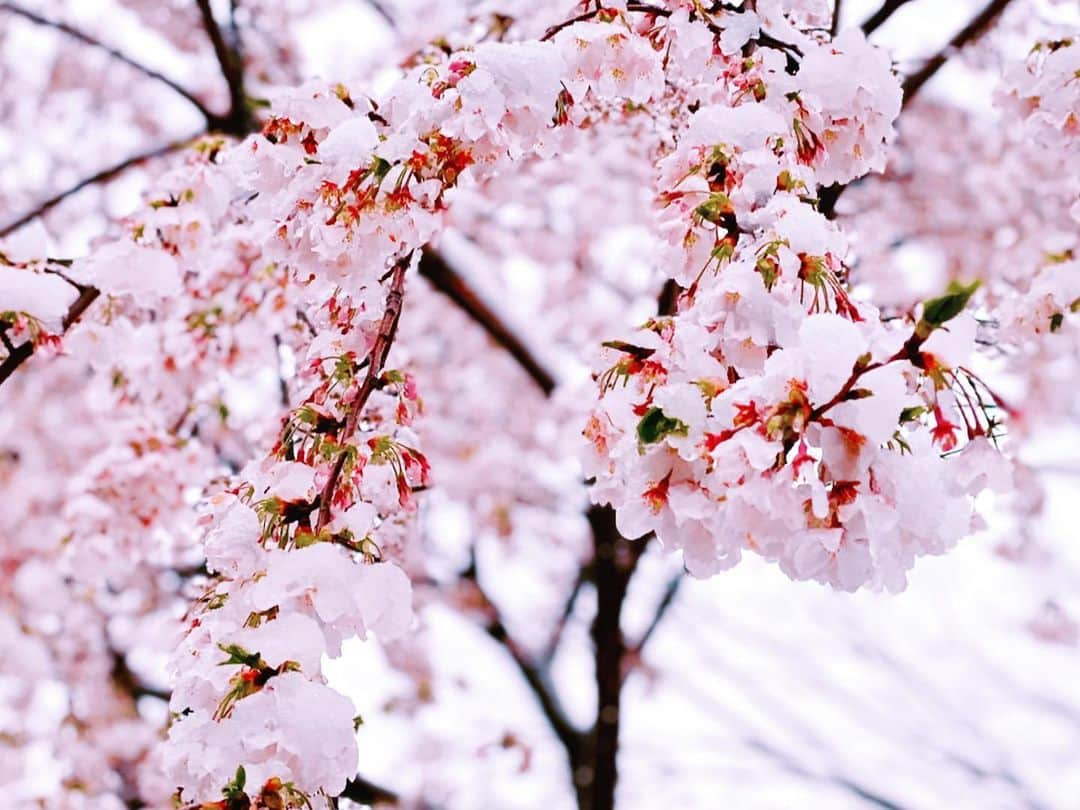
968 34
583 575
86 39
105 174
570 737
665 604
834 28
384 338
383 12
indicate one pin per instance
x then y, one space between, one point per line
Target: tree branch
670 592
435 269
583 576
616 559
105 174
364 791
838 6
384 338
766 39
21 353
382 11
239 120
536 679
882 15
126 681
86 39
968 34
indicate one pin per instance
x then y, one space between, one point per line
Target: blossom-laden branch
384 338
20 353
213 121
762 36
829 196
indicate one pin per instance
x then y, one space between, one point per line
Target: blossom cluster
773 411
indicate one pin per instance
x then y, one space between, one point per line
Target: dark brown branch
239 120
384 338
616 559
668 301
545 695
435 269
128 682
828 197
364 791
86 39
670 592
968 34
882 15
584 575
21 353
382 11
838 6
100 177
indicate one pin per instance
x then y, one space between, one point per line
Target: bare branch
383 12
129 683
583 576
239 121
435 269
616 559
968 34
86 39
882 15
364 791
102 176
838 7
534 676
670 592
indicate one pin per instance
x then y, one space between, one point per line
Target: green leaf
714 208
911 414
238 655
235 788
654 426
629 348
938 311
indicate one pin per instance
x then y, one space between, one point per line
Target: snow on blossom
127 268
42 296
611 61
